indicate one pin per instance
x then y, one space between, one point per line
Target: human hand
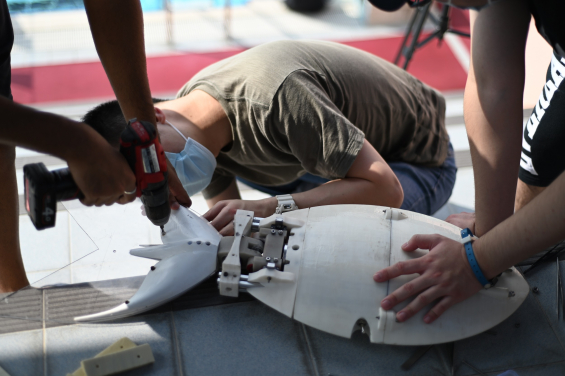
102 174
222 214
445 274
463 220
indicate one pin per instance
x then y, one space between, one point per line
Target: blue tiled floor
241 339
251 339
341 356
544 277
524 342
22 353
68 345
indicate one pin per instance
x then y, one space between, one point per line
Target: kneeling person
355 127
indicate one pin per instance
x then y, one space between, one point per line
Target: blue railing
31 6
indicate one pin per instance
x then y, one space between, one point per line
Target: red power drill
141 148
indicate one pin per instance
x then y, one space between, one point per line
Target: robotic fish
316 266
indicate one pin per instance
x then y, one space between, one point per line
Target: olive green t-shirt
306 106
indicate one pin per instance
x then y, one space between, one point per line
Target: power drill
141 148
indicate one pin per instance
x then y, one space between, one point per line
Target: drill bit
163 233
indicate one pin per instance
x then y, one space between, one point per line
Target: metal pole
227 19
168 21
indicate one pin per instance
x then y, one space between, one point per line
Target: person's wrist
268 207
482 260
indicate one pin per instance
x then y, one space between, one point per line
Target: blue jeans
426 189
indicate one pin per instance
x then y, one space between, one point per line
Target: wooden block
120 345
120 361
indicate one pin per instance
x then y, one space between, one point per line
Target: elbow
388 192
396 194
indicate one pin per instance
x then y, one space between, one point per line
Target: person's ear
160 116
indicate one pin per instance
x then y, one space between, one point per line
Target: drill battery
43 188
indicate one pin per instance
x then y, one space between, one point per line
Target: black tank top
549 16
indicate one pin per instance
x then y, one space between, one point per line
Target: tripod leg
422 16
406 36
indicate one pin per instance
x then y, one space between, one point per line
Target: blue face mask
195 165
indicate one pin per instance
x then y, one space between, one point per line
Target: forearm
45 132
351 191
343 191
535 227
495 149
369 181
493 107
117 30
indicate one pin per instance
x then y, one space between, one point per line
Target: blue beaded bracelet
467 237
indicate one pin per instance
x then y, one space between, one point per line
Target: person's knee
397 194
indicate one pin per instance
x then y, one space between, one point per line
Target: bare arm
369 181
493 108
445 273
117 30
88 154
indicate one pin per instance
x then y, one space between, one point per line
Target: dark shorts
543 157
426 189
6 43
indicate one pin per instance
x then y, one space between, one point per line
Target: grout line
44 335
69 222
310 352
176 344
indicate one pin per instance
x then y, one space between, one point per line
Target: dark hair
108 120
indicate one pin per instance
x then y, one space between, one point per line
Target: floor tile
339 356
63 304
22 353
50 277
241 339
464 189
545 370
47 249
68 345
524 340
22 310
544 278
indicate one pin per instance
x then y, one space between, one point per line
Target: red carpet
433 64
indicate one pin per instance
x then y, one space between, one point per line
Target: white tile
47 249
50 277
115 230
80 242
464 190
458 137
454 106
110 268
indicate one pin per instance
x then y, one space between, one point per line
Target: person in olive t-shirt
293 114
